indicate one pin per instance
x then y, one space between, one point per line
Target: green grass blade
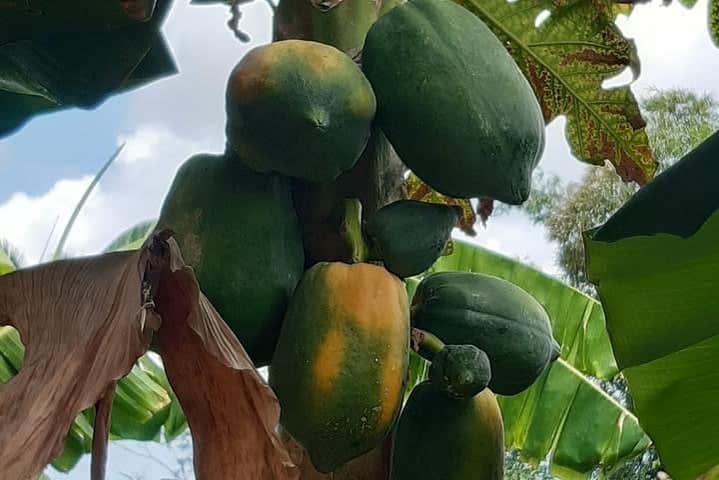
81 203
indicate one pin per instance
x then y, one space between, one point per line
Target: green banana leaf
577 319
79 69
6 264
132 238
655 264
143 404
564 416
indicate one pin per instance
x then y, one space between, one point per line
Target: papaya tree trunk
376 180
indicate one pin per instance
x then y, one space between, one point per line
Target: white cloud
131 191
515 236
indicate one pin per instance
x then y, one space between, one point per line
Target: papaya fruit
341 359
440 438
495 316
453 102
300 108
409 236
460 371
238 229
344 25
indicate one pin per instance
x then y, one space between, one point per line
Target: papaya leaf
566 59
714 21
577 319
654 263
418 190
132 238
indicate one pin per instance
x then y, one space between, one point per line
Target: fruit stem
351 229
425 344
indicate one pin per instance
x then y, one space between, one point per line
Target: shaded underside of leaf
232 413
19 20
655 264
80 321
577 319
662 307
566 416
566 59
79 69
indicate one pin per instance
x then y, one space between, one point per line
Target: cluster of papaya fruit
436 84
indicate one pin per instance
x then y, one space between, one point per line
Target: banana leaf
143 404
655 264
564 417
6 264
79 69
19 20
577 319
132 238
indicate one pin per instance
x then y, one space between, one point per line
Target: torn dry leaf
83 325
233 414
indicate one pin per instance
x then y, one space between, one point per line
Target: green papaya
340 363
409 236
440 438
494 315
453 102
300 108
460 371
238 229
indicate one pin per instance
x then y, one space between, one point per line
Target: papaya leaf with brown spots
566 59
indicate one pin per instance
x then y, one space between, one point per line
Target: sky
45 167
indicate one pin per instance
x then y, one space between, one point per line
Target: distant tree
677 121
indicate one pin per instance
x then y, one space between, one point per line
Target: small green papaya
300 108
460 371
409 236
453 102
238 229
494 315
440 438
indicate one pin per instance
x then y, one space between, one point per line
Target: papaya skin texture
443 438
341 360
453 102
239 231
409 236
494 315
299 108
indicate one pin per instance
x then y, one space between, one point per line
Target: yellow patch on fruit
250 78
367 294
328 361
